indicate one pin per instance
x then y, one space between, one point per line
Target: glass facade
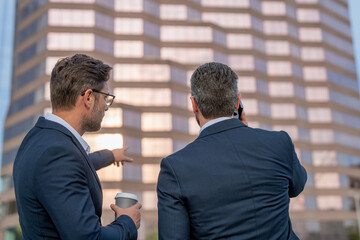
296 72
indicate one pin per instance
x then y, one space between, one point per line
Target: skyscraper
296 73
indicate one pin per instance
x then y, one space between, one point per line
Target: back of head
72 76
214 87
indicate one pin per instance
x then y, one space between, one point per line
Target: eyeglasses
109 98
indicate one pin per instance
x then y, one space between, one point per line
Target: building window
283 110
50 64
109 197
71 17
310 34
128 48
173 12
308 15
281 89
186 34
193 126
298 203
103 141
241 41
156 147
113 118
274 8
315 74
242 62
291 130
312 54
133 26
150 173
279 68
228 20
322 136
110 173
278 48
319 115
317 94
142 72
324 158
71 41
307 1
251 106
156 122
327 180
188 55
329 203
226 3
276 27
143 96
128 5
247 84
73 1
149 200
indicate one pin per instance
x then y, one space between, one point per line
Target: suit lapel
43 123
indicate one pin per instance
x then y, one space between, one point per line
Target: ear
194 105
238 101
88 99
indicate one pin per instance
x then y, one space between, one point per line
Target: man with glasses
57 190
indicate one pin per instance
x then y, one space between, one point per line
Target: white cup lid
126 195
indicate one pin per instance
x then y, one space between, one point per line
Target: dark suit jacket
58 192
232 182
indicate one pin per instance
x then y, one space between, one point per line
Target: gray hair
214 87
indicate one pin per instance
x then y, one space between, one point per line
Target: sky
7 9
354 10
7 13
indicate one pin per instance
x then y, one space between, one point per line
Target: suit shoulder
192 149
271 134
41 142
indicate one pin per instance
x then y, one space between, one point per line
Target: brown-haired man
57 190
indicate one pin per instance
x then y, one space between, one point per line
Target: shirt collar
212 122
59 120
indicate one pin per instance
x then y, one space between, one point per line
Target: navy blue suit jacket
232 182
58 192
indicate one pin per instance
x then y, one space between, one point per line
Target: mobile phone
237 114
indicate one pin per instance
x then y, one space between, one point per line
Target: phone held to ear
237 114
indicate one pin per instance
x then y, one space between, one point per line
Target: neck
202 121
72 118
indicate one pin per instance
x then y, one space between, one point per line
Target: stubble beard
93 123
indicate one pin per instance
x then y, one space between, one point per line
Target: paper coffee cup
125 200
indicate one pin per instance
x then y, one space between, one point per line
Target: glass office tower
296 73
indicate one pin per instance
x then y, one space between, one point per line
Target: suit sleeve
298 175
102 158
173 217
63 191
